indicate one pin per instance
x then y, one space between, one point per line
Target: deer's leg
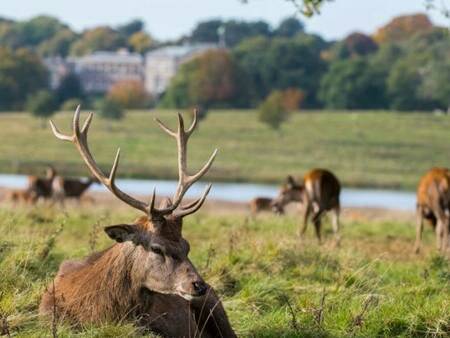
336 224
304 225
419 230
212 320
317 220
445 235
439 229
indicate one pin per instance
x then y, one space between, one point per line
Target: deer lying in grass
146 276
64 188
259 204
433 205
318 193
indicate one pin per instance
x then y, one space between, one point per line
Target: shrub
42 104
273 111
129 94
70 105
109 109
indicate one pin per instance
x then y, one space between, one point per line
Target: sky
169 19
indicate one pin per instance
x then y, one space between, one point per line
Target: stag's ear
124 232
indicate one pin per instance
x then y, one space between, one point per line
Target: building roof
109 57
180 51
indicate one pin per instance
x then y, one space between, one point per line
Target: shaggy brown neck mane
109 280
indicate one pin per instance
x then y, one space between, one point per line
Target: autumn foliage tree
211 79
403 27
129 94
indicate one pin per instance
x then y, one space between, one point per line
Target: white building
100 70
162 64
57 68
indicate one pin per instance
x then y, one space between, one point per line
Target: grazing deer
433 205
21 196
318 193
146 276
42 186
70 188
259 204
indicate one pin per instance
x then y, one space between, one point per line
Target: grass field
376 149
272 286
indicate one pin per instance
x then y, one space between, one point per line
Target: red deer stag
146 277
20 196
318 193
433 205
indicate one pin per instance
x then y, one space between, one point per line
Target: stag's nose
200 287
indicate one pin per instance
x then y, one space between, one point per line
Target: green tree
109 109
130 28
140 42
42 105
289 27
21 73
353 84
273 111
100 38
69 88
59 44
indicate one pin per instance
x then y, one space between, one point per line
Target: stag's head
154 241
291 191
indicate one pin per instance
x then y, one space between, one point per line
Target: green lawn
364 149
272 286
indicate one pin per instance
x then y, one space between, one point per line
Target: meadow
371 149
272 285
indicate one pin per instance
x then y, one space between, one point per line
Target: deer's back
323 186
430 186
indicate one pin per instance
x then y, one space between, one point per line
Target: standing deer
70 188
318 193
433 205
146 276
21 196
41 187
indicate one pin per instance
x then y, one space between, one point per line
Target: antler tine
193 207
79 138
193 124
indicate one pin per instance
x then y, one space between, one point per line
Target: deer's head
291 191
154 241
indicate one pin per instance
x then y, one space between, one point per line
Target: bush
292 99
273 111
109 109
42 104
70 105
129 94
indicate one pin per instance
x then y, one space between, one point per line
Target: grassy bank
271 285
364 149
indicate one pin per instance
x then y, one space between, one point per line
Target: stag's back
434 189
322 187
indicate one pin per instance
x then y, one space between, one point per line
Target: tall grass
272 285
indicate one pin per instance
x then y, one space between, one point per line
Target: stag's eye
157 250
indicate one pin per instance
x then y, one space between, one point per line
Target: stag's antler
79 138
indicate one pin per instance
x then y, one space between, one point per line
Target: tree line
401 66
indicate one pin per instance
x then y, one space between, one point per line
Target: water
243 192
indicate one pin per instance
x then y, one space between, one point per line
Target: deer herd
146 277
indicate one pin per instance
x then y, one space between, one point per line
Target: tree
353 84
402 28
21 73
211 79
130 28
140 42
42 105
59 44
101 38
129 94
109 110
38 29
289 27
69 88
354 45
272 111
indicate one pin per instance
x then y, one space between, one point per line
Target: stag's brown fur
318 192
433 205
